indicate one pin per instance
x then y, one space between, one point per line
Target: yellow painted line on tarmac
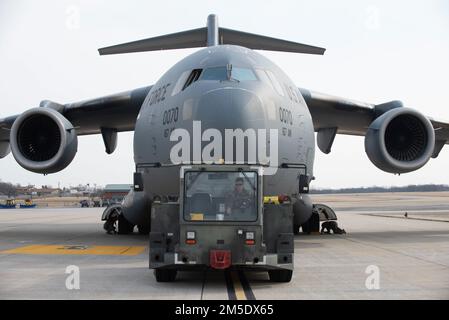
77 250
238 288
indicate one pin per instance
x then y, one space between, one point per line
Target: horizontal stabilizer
211 36
180 40
258 42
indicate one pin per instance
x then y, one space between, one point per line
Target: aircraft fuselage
263 99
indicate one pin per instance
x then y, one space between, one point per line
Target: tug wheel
165 275
280 275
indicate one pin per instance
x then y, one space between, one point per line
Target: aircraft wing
117 112
332 115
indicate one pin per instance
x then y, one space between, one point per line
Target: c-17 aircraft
206 201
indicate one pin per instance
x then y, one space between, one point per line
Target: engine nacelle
399 141
43 140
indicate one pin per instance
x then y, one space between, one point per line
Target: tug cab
221 221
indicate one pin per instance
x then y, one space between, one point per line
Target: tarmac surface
384 255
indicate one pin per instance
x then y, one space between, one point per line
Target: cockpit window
194 76
277 86
222 73
215 73
180 83
262 75
243 74
235 73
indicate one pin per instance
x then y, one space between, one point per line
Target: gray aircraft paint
224 105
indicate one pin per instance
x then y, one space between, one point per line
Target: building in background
115 192
32 191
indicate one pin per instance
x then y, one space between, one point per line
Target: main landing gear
320 213
116 223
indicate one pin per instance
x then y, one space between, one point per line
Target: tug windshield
220 196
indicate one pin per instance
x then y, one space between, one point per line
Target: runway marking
246 287
238 286
230 286
404 218
77 250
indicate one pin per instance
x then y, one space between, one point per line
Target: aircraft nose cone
230 108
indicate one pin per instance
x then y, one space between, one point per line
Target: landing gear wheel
112 214
143 229
124 226
111 223
280 275
165 275
312 225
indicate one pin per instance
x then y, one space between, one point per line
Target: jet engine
400 140
43 140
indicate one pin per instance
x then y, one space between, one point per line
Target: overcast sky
377 51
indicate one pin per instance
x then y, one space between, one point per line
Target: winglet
211 35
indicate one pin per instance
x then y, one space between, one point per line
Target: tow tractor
220 221
9 204
28 204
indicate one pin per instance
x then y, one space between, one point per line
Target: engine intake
43 141
399 141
